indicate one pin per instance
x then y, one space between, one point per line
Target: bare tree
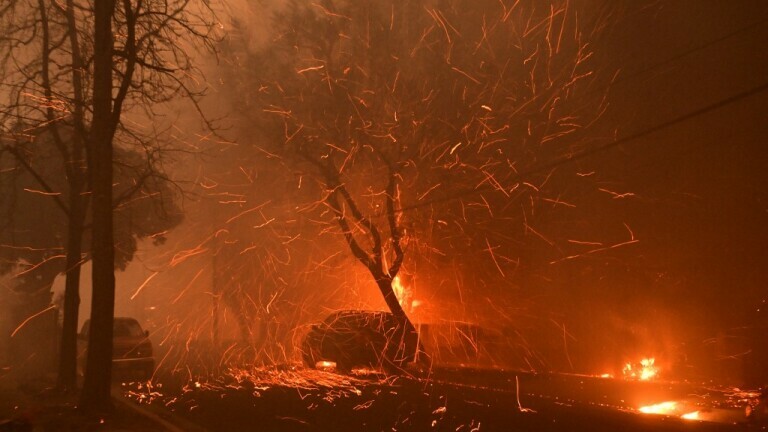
399 109
35 106
49 77
151 61
37 224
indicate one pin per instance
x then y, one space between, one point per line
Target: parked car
131 348
360 338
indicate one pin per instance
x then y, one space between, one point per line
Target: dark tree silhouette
37 224
51 53
96 394
152 30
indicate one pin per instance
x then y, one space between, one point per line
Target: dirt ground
296 399
33 405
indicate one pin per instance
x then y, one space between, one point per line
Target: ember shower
448 129
426 128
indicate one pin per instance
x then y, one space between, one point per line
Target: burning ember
691 415
644 371
669 408
665 408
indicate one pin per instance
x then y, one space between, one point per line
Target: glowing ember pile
644 371
326 386
665 408
691 415
301 379
669 408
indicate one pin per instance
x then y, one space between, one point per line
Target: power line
601 149
623 80
681 55
637 135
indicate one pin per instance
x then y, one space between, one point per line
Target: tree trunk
67 380
96 388
385 286
374 263
409 338
216 288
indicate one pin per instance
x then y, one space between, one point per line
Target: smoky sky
700 184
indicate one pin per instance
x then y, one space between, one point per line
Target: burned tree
432 122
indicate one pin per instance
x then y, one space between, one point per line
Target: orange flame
404 294
659 408
325 365
691 415
646 370
669 408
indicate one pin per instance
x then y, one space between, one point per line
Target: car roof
361 312
88 321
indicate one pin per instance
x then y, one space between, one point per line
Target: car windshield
127 328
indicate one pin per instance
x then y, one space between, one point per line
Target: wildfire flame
670 408
691 415
404 294
644 371
659 408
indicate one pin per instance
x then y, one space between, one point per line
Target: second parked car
131 348
358 338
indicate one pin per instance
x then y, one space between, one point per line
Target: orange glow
669 408
325 365
664 408
403 293
644 371
691 415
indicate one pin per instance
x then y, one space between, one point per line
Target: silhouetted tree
144 68
54 62
37 224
